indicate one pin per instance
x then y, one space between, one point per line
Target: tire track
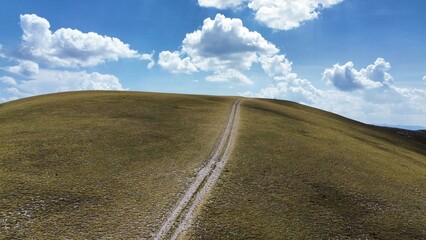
206 178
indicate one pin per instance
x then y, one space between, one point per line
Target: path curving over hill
181 217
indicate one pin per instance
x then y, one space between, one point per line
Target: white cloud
277 14
382 105
288 14
220 4
224 47
173 62
378 72
424 78
277 67
229 75
8 80
287 85
347 78
377 99
26 68
224 43
50 81
398 106
148 57
69 47
57 81
294 89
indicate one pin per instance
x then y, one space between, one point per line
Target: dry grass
111 164
301 173
100 164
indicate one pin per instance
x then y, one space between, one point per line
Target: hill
115 164
100 164
302 173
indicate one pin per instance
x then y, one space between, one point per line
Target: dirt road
182 215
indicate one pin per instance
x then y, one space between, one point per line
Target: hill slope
114 164
100 164
302 173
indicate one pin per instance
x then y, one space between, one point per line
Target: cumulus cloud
278 14
277 67
222 46
294 89
174 63
424 78
50 81
288 14
378 72
220 4
70 47
26 68
287 84
347 78
44 57
399 105
224 43
376 100
229 75
374 84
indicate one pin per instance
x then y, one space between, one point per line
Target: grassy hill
113 164
302 173
100 164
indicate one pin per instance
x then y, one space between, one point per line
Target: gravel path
181 217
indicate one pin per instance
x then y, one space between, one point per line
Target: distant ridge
406 127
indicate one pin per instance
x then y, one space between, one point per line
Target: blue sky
361 59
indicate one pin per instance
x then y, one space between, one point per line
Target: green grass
301 173
100 164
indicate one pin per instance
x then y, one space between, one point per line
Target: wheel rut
181 217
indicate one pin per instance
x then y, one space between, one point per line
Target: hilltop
115 164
